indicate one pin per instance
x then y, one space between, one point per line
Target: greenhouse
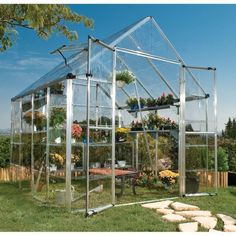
120 121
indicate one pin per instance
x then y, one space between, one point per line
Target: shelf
151 108
151 131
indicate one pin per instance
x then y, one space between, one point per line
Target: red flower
76 131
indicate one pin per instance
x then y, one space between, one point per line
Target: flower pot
192 185
53 167
58 140
72 166
120 83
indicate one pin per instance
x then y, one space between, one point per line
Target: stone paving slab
228 220
230 228
190 214
173 218
188 227
206 222
164 211
178 206
158 205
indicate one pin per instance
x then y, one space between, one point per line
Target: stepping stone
190 214
158 205
188 227
228 220
164 211
173 218
206 222
230 228
213 230
178 206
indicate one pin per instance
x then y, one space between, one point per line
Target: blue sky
202 34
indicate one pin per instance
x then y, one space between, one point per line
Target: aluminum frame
89 79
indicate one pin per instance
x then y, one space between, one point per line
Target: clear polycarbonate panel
55 155
144 36
76 63
100 139
200 128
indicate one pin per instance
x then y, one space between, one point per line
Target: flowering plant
121 134
165 99
122 130
146 179
168 177
57 159
75 158
126 76
39 119
136 125
76 131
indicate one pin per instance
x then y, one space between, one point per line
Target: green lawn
18 212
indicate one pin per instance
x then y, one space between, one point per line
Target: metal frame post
136 151
88 75
215 129
182 157
12 132
20 145
69 117
207 143
48 143
113 125
32 146
156 152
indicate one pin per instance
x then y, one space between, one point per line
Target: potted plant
124 77
151 102
170 99
168 178
192 182
132 102
136 126
76 131
57 88
57 120
142 102
121 134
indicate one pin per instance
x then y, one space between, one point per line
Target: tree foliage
4 151
230 129
44 19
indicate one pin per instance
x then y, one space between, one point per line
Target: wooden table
119 174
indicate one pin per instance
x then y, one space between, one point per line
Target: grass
19 212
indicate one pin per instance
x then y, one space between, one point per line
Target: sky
204 35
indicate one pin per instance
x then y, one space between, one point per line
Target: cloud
28 63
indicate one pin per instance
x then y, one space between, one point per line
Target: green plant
222 160
125 76
58 117
142 102
57 88
4 151
151 102
132 101
136 125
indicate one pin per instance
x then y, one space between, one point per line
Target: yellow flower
122 130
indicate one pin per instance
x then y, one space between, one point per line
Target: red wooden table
119 174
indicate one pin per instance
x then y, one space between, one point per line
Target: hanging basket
120 83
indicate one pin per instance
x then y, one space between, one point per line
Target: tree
44 19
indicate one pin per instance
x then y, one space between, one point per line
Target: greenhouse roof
143 36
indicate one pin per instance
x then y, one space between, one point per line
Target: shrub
4 151
222 160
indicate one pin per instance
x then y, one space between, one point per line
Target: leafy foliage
4 151
222 160
44 19
125 76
